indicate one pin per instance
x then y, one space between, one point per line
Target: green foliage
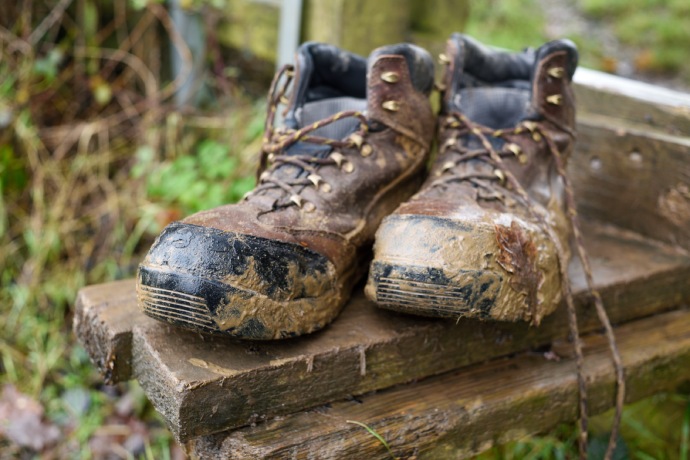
510 24
657 29
77 212
652 428
201 181
559 444
13 176
80 202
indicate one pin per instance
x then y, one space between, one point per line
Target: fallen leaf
21 421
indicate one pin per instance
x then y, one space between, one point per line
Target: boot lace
486 184
277 140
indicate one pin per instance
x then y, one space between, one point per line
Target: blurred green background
97 155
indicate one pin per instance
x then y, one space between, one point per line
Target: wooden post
355 25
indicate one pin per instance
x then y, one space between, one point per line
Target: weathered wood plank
633 178
465 412
653 106
103 321
203 385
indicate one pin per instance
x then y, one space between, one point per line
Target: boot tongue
496 107
328 80
492 88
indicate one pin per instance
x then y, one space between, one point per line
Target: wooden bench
432 388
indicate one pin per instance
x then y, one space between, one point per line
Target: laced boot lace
277 140
486 183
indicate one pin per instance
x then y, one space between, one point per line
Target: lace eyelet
357 140
296 199
556 72
501 175
447 165
314 179
555 99
391 106
390 77
338 158
448 144
517 151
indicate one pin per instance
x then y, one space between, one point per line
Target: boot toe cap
237 284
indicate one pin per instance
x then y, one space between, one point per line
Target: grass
655 33
510 24
657 30
95 159
376 435
653 428
88 180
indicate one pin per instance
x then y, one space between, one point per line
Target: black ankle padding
493 66
333 72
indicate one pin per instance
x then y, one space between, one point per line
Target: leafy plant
201 181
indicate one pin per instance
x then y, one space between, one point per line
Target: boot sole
192 303
433 292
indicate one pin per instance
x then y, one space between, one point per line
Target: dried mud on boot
351 146
491 215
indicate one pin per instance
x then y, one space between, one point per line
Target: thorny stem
481 133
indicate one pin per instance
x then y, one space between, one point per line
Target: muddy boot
487 235
352 146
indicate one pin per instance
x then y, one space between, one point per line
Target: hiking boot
352 146
487 235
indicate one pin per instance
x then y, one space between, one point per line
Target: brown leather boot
352 146
487 235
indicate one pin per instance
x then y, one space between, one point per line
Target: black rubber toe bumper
194 277
428 291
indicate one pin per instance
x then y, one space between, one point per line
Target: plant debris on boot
352 146
487 236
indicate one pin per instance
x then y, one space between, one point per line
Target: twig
48 21
14 42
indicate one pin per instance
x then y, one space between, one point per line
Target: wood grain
465 412
103 320
203 385
630 169
633 178
626 100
